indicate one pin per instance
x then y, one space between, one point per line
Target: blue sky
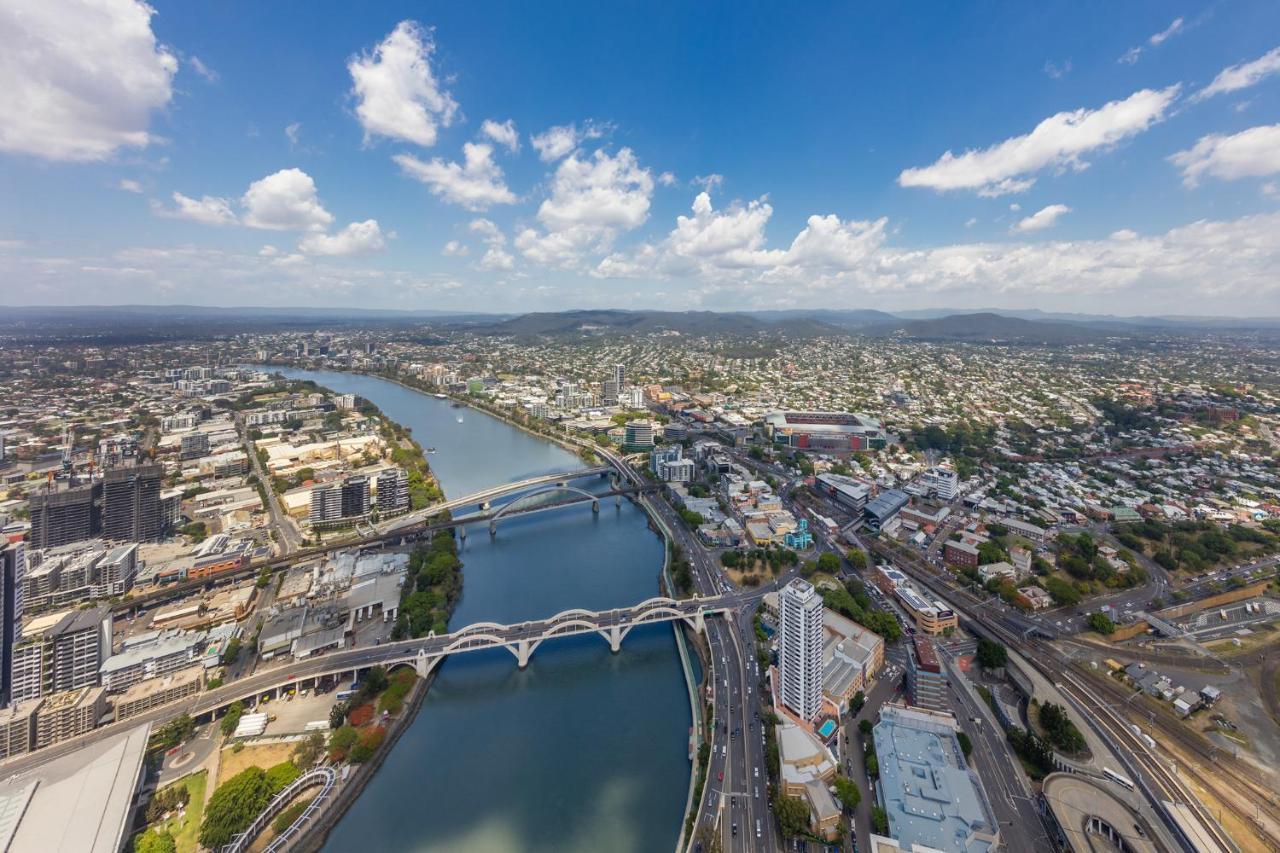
1101 157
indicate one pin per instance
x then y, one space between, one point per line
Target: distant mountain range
567 323
987 327
975 327
1169 321
122 323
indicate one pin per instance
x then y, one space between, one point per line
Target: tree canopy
792 814
991 655
234 805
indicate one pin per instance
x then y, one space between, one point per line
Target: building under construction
131 503
63 513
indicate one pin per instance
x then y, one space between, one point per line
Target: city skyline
1121 161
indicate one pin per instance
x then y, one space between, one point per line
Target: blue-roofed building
932 798
883 507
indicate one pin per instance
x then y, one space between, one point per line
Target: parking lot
292 713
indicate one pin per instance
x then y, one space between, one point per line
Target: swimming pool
827 729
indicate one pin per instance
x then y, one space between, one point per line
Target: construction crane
66 448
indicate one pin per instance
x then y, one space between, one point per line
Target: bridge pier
615 639
698 623
524 650
422 664
493 528
595 507
462 532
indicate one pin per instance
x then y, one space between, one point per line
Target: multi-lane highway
736 794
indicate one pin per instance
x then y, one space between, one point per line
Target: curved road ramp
321 776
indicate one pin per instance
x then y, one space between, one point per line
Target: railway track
1243 784
1241 779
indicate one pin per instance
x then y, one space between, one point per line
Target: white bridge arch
522 639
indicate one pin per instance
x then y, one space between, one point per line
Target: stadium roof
94 785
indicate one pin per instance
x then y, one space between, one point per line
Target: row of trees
1035 753
775 558
166 800
681 571
431 588
991 655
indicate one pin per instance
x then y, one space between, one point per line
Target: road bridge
421 526
484 497
423 654
523 639
519 506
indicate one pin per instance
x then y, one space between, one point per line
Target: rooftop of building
153 645
802 756
14 712
887 502
152 686
927 790
68 699
64 622
96 784
1070 795
926 654
820 421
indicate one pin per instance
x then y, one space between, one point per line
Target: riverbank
492 411
315 835
692 683
525 730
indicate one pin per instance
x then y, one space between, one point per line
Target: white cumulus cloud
285 201
396 90
358 238
727 244
476 184
504 133
79 79
497 258
1250 153
592 200
209 210
556 142
730 238
454 249
1060 141
1045 217
1242 76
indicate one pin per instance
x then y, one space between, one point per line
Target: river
582 751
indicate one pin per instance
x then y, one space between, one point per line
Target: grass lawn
186 829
